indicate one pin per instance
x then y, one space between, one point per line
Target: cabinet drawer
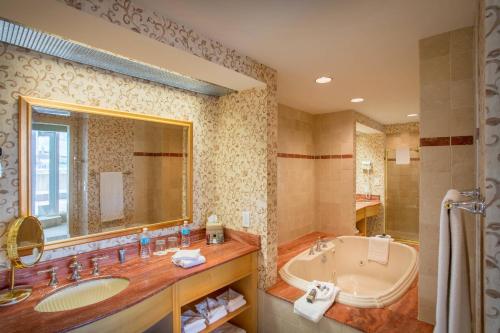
203 283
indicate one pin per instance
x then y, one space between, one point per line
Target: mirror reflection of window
50 177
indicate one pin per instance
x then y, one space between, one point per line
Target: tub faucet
311 250
320 244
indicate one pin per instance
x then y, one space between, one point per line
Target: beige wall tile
434 46
462 39
462 64
435 70
462 93
435 159
462 121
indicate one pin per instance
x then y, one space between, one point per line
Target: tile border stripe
447 141
140 153
315 157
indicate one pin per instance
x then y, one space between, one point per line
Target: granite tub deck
147 278
400 316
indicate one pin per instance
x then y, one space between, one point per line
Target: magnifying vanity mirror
25 244
89 173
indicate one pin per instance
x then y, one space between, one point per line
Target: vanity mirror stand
25 244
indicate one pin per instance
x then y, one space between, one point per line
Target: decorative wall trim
411 159
315 157
140 153
447 140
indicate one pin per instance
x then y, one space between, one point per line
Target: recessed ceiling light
324 79
357 100
413 115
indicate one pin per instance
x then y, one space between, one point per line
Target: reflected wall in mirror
92 171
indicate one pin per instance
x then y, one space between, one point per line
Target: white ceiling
369 47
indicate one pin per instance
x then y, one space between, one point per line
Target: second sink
82 294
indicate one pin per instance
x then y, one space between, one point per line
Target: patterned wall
489 95
371 147
28 73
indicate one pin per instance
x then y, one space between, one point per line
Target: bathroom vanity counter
364 204
364 210
147 278
400 316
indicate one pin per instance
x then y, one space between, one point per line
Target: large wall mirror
88 173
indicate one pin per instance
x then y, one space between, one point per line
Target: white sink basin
82 294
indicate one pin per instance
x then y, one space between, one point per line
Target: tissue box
215 233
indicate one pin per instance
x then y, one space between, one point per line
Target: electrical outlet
245 221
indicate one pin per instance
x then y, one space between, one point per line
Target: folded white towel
186 263
314 311
236 305
378 249
186 254
192 322
229 297
211 310
229 328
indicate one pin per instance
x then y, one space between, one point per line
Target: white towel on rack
453 309
378 249
403 155
111 195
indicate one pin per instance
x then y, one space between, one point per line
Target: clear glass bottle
185 235
145 246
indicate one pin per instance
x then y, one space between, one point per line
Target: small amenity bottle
185 235
144 242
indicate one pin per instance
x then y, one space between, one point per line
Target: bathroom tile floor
397 317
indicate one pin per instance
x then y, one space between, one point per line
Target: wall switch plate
245 222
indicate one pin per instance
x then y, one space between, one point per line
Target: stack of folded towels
192 322
231 300
211 310
188 258
325 296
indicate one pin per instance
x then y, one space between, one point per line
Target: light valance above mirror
90 173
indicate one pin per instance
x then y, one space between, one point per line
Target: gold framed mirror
90 173
25 246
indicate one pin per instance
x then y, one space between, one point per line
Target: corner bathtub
363 283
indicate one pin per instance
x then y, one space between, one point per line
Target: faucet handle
53 275
95 264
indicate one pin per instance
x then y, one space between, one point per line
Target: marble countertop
147 277
364 204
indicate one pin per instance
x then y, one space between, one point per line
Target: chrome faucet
76 268
53 275
320 244
95 264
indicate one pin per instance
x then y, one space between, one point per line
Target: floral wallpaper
108 142
490 94
371 147
242 182
24 72
29 73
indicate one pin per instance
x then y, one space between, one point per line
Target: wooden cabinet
362 215
239 274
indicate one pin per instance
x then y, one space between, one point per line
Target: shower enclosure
402 195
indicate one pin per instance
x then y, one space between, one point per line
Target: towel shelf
475 206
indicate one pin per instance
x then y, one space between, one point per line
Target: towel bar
474 206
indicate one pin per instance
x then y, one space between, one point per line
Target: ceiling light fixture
323 79
413 115
357 100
